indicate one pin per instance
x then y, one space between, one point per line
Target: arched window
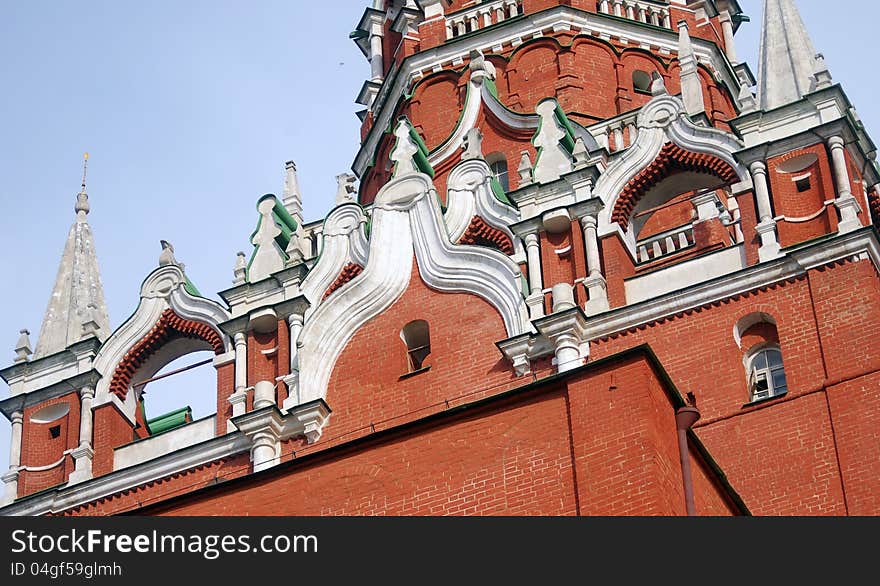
417 337
642 82
498 165
766 373
756 334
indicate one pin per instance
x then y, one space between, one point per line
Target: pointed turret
76 309
291 198
788 64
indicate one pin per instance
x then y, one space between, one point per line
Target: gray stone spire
788 63
76 309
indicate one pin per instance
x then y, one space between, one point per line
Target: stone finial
747 100
240 270
90 325
821 74
691 88
658 86
268 257
409 155
580 154
345 190
473 145
479 67
82 199
405 150
23 347
294 249
554 157
82 206
291 197
525 169
166 257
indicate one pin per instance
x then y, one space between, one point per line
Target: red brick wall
39 448
854 406
591 78
782 458
623 437
529 454
225 388
366 385
847 306
789 202
111 430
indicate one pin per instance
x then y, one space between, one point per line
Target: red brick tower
586 271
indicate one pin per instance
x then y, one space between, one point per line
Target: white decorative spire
291 197
787 63
691 88
76 309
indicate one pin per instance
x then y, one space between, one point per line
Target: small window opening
498 166
767 374
642 82
803 184
499 170
55 431
416 336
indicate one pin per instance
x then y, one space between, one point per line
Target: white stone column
377 68
727 32
264 450
10 478
847 206
84 453
238 400
595 284
535 300
295 323
766 227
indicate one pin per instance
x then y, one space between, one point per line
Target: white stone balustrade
666 243
641 11
480 16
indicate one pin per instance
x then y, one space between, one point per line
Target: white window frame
754 375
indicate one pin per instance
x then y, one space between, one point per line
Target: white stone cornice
138 475
796 262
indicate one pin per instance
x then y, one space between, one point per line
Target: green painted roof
169 421
421 157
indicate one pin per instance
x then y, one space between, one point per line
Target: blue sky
189 110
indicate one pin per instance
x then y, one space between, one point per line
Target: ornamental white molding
407 221
345 242
661 120
527 27
468 194
163 289
479 94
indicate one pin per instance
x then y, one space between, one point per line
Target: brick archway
169 327
480 233
672 159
